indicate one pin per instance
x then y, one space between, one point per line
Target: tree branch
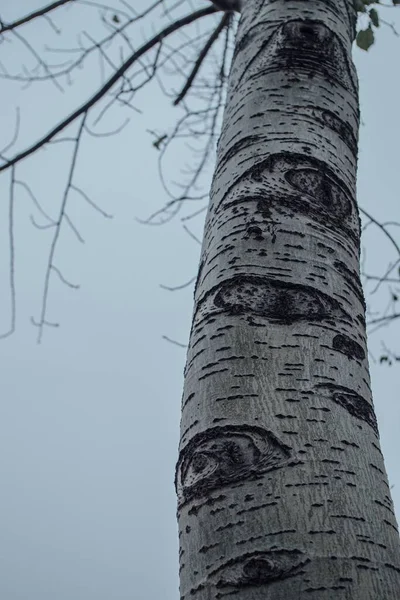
381 226
38 13
109 84
213 37
50 266
12 256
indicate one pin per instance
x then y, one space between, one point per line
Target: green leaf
365 38
373 15
360 5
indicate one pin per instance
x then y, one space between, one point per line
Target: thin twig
38 58
392 240
178 287
38 13
383 319
74 228
165 337
74 286
195 214
42 321
191 234
89 201
35 200
12 256
15 136
83 110
213 37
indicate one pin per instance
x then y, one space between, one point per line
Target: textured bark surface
282 490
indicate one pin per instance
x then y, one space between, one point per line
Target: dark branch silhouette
34 15
50 263
198 60
214 36
82 110
11 256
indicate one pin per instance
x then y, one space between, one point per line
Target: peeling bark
282 489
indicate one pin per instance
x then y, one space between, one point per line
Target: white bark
282 490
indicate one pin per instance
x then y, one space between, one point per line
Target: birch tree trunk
282 489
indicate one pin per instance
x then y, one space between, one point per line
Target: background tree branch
196 64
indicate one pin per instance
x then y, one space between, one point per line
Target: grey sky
89 419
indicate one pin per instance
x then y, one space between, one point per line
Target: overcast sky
89 419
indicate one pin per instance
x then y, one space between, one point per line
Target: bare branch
11 257
35 200
213 37
384 319
195 214
74 286
191 234
34 15
83 110
15 136
39 60
107 133
103 6
43 321
390 25
165 337
74 229
377 278
89 201
383 228
393 242
178 287
69 66
35 224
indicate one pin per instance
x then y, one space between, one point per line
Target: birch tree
281 484
187 54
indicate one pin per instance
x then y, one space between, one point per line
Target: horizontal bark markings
336 124
355 404
257 507
298 46
211 373
230 525
348 517
290 182
205 549
190 397
235 397
352 279
259 537
209 502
